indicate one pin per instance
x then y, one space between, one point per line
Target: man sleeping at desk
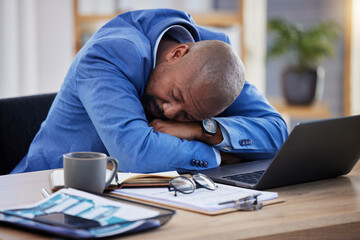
158 92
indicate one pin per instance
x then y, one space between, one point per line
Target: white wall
255 42
36 45
56 42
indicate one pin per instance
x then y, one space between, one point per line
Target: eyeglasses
188 185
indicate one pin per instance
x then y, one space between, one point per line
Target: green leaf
308 46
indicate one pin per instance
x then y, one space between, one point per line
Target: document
201 199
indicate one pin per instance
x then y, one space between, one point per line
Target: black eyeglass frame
193 183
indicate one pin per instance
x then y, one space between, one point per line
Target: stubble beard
150 104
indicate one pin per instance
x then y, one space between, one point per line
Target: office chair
20 120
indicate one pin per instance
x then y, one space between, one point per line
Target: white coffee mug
87 171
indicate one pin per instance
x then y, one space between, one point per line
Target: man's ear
177 52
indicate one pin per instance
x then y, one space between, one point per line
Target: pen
45 193
244 199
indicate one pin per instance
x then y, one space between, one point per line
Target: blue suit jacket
98 106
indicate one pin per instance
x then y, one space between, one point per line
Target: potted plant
302 78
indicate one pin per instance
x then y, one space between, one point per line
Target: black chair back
20 120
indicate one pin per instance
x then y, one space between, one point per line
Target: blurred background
39 39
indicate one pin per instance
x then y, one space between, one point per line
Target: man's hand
183 130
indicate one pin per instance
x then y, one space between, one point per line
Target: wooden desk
328 209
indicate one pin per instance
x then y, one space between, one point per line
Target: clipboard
224 199
245 207
56 216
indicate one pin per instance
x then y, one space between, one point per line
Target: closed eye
176 94
173 96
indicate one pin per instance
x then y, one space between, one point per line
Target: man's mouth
152 108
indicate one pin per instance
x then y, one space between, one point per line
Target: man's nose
171 110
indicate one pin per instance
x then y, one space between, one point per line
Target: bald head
218 70
193 81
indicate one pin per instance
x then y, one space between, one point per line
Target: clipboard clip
248 203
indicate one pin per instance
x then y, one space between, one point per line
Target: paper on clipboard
202 200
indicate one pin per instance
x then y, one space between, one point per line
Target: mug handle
113 171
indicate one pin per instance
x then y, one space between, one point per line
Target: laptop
313 151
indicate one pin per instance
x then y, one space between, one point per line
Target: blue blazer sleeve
255 129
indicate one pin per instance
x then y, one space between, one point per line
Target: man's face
175 93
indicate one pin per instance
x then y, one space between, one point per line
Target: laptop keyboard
251 177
